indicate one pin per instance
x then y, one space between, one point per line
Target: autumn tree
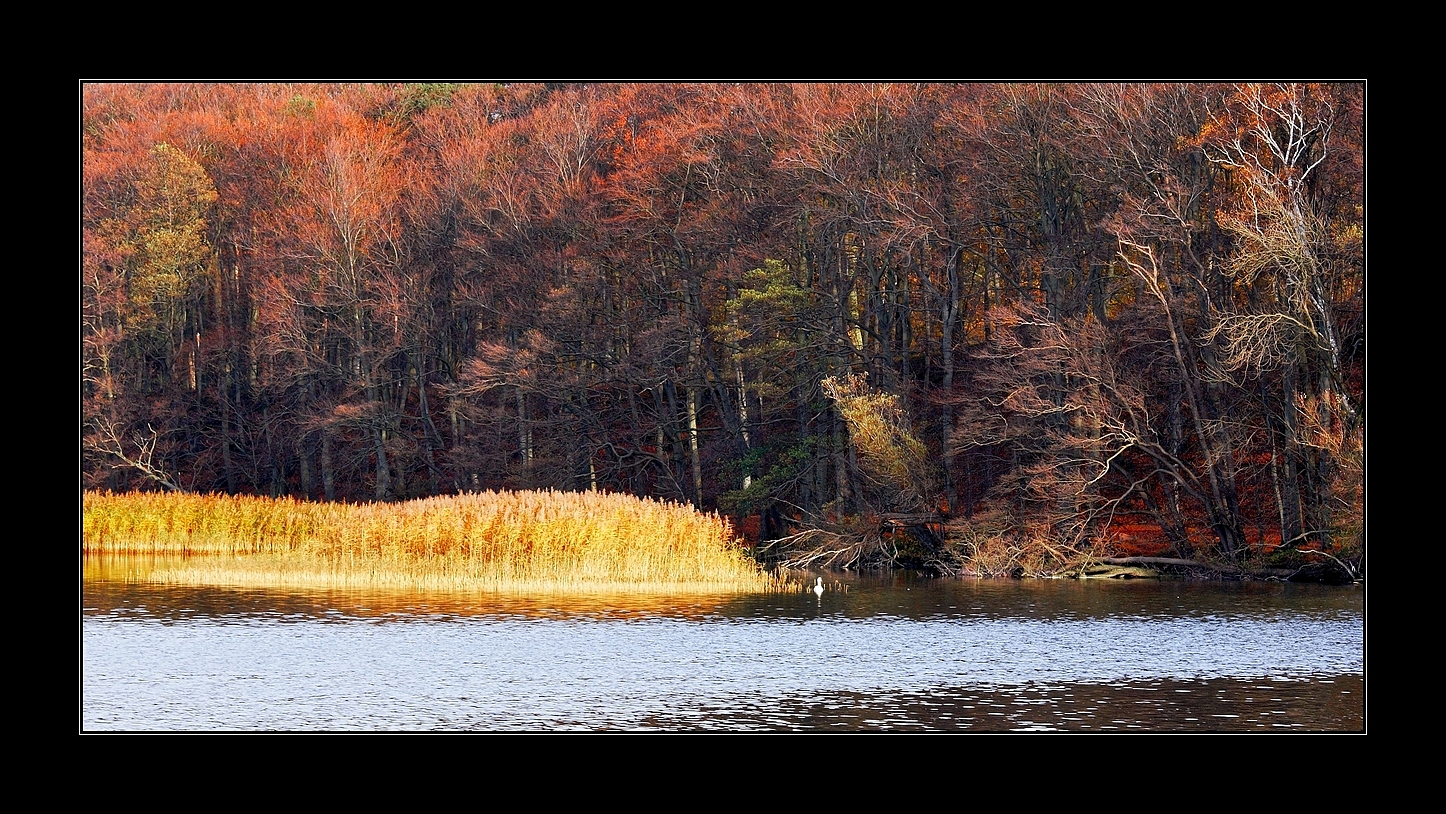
144 275
1090 301
336 307
1303 270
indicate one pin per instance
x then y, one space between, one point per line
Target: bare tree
135 449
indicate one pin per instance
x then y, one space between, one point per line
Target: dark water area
869 655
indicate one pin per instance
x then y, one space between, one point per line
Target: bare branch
109 440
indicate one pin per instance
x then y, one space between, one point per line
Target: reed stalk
530 541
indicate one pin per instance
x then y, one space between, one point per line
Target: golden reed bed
493 541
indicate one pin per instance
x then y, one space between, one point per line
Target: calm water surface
888 654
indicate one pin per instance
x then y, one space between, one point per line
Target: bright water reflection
892 655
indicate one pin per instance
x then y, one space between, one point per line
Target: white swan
818 587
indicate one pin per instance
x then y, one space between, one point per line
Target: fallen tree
1334 571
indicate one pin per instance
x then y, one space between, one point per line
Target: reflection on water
872 655
1210 705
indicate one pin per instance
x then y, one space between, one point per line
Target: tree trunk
1290 516
384 479
430 436
524 430
223 394
693 446
743 416
303 461
328 473
948 317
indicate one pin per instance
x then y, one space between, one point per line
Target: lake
883 654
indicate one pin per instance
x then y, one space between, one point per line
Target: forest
987 328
